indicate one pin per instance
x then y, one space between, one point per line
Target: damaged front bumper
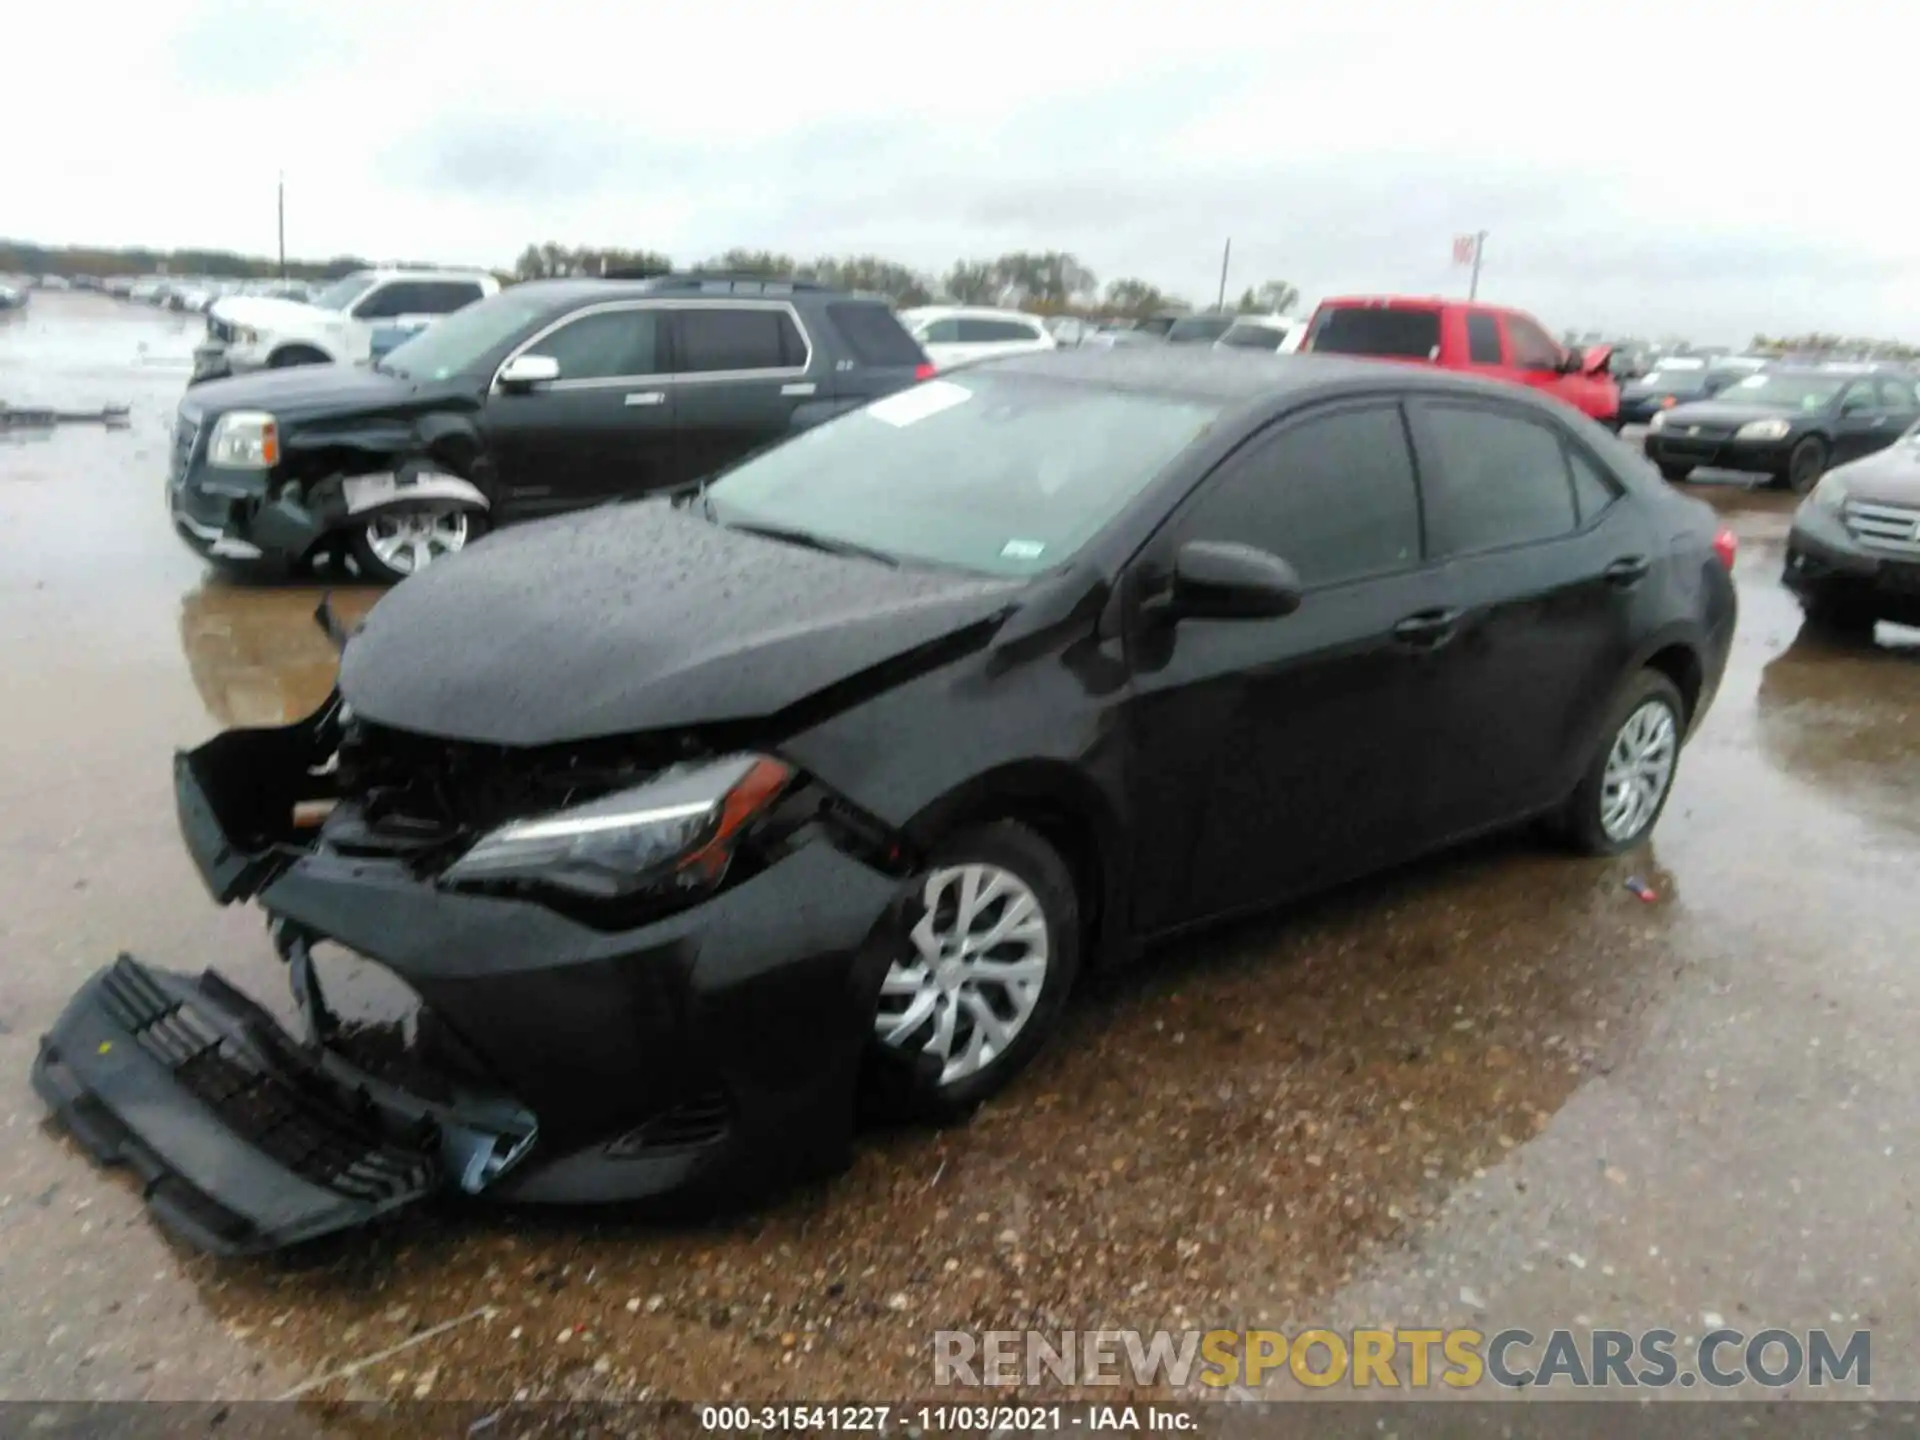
702 1055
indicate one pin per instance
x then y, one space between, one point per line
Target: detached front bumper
702 1056
1675 447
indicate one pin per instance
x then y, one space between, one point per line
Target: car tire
1806 463
934 985
375 553
1647 725
1674 474
290 355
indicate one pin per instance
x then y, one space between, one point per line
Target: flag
1464 247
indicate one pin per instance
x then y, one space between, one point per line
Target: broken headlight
674 834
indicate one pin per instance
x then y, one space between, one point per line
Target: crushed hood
1886 477
630 618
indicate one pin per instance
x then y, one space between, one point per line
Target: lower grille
700 1120
301 1131
1893 528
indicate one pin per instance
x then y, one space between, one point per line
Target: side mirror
1215 580
523 372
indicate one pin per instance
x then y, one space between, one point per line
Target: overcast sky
1695 167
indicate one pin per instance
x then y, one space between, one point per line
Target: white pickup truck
338 325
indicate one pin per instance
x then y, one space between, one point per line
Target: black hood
631 618
303 391
1720 412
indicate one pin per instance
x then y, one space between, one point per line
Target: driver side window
1860 399
1531 347
605 345
383 302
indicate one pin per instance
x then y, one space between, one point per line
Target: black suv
546 397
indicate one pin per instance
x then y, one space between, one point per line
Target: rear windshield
1376 330
1253 337
1677 382
874 334
1199 327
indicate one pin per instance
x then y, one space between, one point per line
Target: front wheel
403 541
1619 799
1806 464
290 355
980 971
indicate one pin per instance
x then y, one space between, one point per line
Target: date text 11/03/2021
946 1419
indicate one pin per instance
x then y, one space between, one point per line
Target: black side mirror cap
1219 580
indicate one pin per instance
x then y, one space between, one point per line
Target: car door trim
690 377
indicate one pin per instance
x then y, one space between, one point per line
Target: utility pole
1225 259
1473 285
283 224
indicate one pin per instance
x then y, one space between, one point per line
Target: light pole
1225 259
1473 285
283 224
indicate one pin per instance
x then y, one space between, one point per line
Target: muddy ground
1495 1089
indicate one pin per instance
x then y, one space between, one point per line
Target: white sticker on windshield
1753 380
1022 549
911 406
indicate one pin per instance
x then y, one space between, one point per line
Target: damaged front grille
300 1130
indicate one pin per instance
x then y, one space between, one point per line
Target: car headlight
1763 430
1830 493
673 835
245 440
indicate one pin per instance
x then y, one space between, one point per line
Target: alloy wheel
409 540
1639 769
979 962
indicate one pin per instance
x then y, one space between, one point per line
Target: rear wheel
1806 464
1619 799
405 540
980 972
1674 473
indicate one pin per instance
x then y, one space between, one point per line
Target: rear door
604 429
1544 560
741 372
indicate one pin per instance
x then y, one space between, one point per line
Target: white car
1276 334
255 332
954 334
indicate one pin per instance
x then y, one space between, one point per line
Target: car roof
571 290
1269 322
1203 373
971 312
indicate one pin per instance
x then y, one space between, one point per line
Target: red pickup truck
1465 335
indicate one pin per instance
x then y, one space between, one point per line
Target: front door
741 372
1543 568
1864 424
604 429
1269 757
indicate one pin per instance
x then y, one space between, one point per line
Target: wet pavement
1495 1089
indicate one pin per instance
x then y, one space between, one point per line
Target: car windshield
999 474
1253 337
342 293
458 343
1199 327
1785 391
1677 382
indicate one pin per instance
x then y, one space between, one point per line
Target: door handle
1427 629
1628 570
647 397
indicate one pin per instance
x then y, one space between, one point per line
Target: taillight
1726 545
1667 402
923 372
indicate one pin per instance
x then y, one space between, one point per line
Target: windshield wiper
812 541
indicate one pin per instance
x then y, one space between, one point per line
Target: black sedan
1662 389
1853 555
694 826
1787 424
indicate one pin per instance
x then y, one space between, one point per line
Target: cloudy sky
1696 167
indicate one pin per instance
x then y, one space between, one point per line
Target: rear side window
1376 330
605 345
984 332
1483 338
1253 337
1332 495
874 334
1496 480
726 338
443 297
1593 489
943 331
